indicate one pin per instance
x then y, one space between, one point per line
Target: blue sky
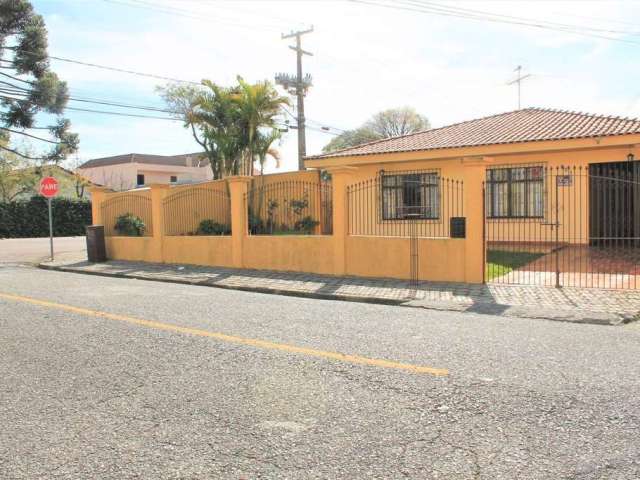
366 58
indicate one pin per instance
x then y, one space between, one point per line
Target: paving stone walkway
581 305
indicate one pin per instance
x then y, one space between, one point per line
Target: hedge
29 218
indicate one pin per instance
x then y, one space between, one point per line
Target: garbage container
96 250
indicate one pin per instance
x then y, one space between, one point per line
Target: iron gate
563 226
410 204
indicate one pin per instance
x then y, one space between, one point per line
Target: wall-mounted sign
564 180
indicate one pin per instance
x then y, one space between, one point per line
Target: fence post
97 197
158 192
473 176
340 177
238 188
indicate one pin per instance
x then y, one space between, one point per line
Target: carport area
577 265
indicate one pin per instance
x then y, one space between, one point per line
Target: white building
124 172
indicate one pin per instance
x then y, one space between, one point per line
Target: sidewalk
604 307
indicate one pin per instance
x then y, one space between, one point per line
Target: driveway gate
563 226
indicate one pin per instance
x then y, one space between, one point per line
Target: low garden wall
214 251
246 229
294 253
439 259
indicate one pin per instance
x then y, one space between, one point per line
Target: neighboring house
551 176
124 172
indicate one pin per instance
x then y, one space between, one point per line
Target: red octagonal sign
48 187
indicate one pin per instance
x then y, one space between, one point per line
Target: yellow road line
264 344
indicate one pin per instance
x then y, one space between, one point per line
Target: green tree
259 105
27 85
386 124
17 176
350 138
230 123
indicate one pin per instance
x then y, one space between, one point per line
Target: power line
194 15
31 136
487 17
447 8
111 103
76 109
115 69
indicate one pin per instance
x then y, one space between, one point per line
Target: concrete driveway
36 250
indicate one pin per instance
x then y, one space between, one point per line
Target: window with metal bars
410 195
515 192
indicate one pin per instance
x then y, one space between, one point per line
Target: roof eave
507 148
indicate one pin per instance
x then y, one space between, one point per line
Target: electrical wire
452 9
423 8
115 69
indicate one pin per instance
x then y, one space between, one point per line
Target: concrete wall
304 253
337 254
438 259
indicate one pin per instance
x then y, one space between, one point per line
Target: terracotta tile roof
526 125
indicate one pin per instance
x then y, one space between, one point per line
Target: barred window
413 195
516 192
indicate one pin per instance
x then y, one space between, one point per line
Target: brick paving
566 304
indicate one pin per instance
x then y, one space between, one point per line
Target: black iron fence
564 226
405 204
127 214
289 208
197 211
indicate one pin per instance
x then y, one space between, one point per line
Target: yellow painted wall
142 249
214 251
295 253
439 259
573 210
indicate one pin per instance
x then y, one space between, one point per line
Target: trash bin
96 250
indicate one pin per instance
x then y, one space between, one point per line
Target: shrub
29 218
209 227
130 225
256 225
306 225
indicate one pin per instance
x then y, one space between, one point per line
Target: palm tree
259 105
215 112
226 121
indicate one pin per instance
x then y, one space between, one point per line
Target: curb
273 291
513 311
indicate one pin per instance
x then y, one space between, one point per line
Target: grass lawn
501 262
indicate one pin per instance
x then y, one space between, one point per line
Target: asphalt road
36 250
114 379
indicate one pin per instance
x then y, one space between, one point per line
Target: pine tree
27 85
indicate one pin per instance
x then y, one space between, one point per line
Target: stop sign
48 187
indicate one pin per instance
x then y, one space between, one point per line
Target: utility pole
298 86
519 80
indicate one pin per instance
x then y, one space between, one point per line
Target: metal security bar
136 205
564 226
405 204
197 211
289 208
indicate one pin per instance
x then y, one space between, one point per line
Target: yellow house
533 196
542 181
